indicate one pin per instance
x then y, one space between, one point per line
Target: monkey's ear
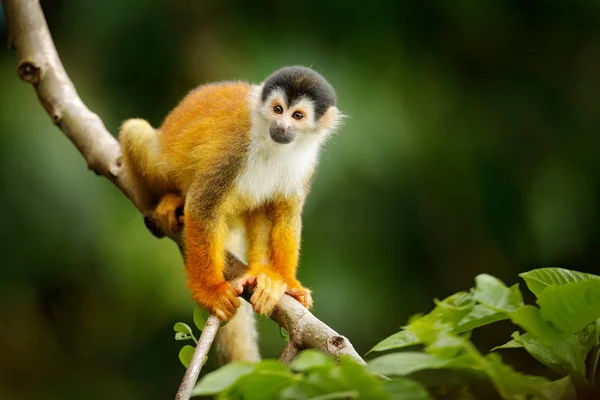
331 121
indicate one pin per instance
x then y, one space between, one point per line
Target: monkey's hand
268 288
168 216
221 300
299 292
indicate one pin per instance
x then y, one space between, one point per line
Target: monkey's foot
300 293
169 213
221 300
268 289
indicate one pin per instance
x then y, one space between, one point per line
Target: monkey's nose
282 135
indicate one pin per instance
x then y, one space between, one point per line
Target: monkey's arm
270 285
285 246
258 229
205 234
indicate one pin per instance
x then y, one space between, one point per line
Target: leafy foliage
184 332
561 332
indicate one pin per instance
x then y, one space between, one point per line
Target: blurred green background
472 146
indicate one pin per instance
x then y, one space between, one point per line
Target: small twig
191 375
289 353
40 66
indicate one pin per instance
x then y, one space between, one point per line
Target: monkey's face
287 121
298 104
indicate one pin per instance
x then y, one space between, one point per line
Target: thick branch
40 65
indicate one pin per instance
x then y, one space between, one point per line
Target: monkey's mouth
282 135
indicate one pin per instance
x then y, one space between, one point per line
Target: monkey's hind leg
143 166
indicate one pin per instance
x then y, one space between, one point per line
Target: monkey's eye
277 109
297 115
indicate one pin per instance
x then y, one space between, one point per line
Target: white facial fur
274 169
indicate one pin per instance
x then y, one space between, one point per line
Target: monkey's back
211 124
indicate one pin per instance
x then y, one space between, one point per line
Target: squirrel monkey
236 153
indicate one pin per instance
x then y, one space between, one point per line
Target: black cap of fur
297 82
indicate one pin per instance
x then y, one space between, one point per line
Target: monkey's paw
169 214
222 301
300 293
268 289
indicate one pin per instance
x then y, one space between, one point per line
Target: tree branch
40 65
289 353
191 375
308 332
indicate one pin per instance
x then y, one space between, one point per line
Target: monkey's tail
238 339
141 158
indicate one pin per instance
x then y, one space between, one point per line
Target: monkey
236 154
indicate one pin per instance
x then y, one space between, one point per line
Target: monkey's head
297 102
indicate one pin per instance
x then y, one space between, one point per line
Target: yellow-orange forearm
205 257
285 240
258 229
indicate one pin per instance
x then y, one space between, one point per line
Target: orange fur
166 212
197 154
208 123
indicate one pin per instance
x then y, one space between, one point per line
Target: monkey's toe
267 293
302 295
224 302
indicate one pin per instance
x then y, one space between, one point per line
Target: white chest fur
274 169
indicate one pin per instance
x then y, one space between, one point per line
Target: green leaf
398 340
588 336
406 389
573 306
284 334
182 336
542 353
510 383
452 309
182 328
223 378
356 376
458 310
439 339
406 363
327 378
540 279
185 354
492 293
267 381
561 389
479 316
200 317
347 394
310 359
301 391
272 366
513 344
565 346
